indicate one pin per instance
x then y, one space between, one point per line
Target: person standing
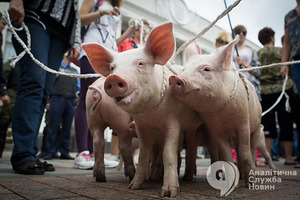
4 122
102 24
291 45
222 39
62 109
12 74
246 57
54 27
271 86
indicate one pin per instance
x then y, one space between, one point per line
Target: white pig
102 113
138 83
206 84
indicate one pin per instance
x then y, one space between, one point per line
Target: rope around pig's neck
161 96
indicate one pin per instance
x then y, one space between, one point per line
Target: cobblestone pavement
69 183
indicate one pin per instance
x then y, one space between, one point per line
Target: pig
102 112
137 80
207 84
134 147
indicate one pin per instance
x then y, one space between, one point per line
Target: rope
135 23
206 29
237 74
27 50
287 107
271 65
164 86
162 93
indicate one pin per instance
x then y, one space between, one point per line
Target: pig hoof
133 186
100 179
130 173
172 193
187 178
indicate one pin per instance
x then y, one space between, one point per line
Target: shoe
110 163
41 155
288 163
46 166
48 157
66 157
84 161
30 168
258 163
297 166
114 157
275 159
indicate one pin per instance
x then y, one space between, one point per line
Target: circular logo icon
223 175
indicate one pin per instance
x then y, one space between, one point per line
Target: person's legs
81 127
68 116
114 146
28 105
83 136
31 99
296 76
4 123
285 121
268 120
56 112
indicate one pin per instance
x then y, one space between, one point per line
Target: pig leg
170 150
98 144
142 170
157 169
261 146
253 142
126 152
245 160
191 155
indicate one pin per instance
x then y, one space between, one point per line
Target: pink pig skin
135 83
102 112
261 146
206 85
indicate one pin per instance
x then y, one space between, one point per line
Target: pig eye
141 63
207 69
112 67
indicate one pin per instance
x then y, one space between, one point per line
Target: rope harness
168 64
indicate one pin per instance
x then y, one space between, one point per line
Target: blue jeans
61 108
296 76
34 87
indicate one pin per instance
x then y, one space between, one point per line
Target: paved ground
69 183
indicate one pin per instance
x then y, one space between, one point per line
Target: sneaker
84 161
110 163
114 157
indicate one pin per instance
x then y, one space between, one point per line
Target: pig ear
226 52
99 57
161 43
192 50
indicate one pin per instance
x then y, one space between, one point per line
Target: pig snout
115 86
177 85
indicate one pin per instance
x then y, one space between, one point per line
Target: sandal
258 163
46 166
31 168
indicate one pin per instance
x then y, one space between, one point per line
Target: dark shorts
285 119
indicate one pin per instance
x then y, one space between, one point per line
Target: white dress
103 30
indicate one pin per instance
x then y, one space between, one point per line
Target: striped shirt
56 15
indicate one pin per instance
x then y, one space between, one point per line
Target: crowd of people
61 27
